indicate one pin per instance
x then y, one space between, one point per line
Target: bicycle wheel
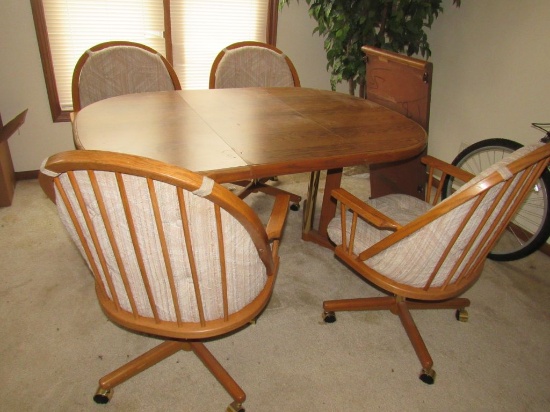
530 227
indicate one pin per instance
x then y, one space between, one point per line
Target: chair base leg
161 352
401 307
386 302
219 372
260 186
139 364
416 339
389 303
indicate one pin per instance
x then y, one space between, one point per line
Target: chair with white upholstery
173 253
255 64
120 67
252 64
425 254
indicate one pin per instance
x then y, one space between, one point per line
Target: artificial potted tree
347 25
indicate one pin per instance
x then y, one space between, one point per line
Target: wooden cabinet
403 84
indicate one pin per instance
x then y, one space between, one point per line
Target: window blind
76 25
202 28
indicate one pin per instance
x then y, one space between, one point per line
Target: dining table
254 133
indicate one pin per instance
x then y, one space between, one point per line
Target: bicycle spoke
530 226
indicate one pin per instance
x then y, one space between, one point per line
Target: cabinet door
402 84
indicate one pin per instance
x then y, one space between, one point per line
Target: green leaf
346 25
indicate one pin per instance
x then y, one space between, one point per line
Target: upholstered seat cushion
401 208
412 260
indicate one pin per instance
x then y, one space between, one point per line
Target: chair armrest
447 168
364 210
277 219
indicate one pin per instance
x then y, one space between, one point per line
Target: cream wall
22 86
491 73
296 39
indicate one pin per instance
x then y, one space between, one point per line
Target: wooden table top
233 134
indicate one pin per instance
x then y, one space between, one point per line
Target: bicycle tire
518 241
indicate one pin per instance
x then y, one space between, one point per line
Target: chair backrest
172 252
117 68
252 64
441 253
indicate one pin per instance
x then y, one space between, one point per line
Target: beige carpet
56 343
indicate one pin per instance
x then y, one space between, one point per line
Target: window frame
59 115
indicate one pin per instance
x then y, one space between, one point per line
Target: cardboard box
7 173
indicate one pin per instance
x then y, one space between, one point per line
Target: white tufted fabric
253 66
120 70
412 260
246 274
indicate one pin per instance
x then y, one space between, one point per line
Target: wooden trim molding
272 22
41 28
168 32
27 175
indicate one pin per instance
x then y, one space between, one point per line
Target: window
189 33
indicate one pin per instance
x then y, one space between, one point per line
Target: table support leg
328 208
309 207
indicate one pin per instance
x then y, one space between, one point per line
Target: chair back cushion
253 66
120 70
159 251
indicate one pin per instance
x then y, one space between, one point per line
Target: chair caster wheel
329 317
295 207
235 407
461 315
103 396
427 376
